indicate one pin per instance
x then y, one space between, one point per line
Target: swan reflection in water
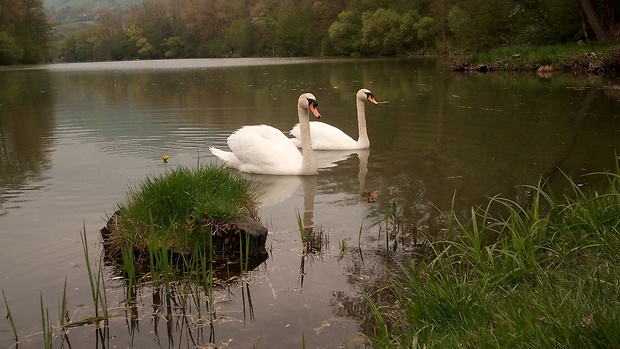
273 190
332 158
276 189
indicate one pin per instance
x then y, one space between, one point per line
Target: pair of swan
327 137
263 149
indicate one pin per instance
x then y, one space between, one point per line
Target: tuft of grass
549 278
179 206
313 240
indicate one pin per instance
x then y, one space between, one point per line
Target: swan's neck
308 164
309 184
361 124
363 169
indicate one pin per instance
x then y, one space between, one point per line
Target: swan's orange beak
372 99
313 108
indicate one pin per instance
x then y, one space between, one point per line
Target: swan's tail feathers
228 157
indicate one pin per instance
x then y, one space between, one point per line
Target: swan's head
366 95
308 101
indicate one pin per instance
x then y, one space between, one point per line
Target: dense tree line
241 28
24 31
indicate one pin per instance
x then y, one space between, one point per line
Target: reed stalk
300 227
93 280
48 334
9 315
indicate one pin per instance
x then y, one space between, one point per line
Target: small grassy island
185 216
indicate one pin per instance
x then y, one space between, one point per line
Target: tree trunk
596 20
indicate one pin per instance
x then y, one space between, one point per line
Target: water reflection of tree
26 126
554 171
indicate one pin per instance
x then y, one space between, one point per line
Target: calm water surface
75 137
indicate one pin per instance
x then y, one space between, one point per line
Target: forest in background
90 30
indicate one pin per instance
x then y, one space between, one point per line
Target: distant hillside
54 4
72 15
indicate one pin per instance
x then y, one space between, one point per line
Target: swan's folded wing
296 133
328 137
263 147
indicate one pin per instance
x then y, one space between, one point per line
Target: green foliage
475 30
224 28
546 22
458 22
294 35
381 30
174 46
143 46
264 22
344 33
427 31
543 276
77 47
409 30
24 32
241 38
10 51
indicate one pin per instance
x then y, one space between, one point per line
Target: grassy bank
593 57
551 279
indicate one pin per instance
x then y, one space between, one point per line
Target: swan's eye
371 98
312 102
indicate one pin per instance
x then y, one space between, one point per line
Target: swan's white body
264 149
327 137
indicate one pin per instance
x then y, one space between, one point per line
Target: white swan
264 149
327 137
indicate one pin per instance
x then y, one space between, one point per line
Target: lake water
75 137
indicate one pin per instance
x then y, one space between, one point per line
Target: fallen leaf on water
372 196
319 329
